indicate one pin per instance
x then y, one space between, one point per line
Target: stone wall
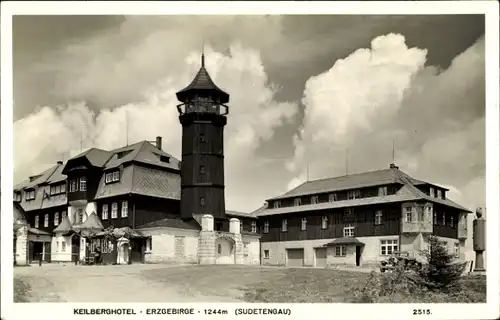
22 246
163 245
251 249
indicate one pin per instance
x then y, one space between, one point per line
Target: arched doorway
224 251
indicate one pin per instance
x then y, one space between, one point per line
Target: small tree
441 271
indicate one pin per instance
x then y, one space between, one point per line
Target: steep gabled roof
352 181
96 157
92 222
202 82
64 227
408 192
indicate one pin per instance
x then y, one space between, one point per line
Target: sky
332 93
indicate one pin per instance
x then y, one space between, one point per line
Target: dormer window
314 199
165 159
297 202
353 194
382 191
17 196
30 194
431 191
332 197
277 204
111 177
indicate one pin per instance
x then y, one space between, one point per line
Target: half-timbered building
358 219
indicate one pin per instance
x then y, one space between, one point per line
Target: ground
184 283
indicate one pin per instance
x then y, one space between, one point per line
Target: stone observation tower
202 113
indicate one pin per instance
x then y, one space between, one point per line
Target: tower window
202 201
202 169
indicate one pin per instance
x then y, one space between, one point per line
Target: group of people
96 253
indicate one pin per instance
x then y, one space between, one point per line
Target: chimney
158 142
393 166
59 162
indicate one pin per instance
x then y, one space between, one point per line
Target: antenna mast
347 161
203 52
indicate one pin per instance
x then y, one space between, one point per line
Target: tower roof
203 83
64 226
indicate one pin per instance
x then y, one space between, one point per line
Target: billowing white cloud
41 138
385 93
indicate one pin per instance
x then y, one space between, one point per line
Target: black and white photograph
250 158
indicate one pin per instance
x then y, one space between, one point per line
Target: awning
345 241
38 232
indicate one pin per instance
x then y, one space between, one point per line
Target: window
382 191
452 223
266 254
83 183
420 214
431 191
46 221
218 226
277 204
444 219
37 221
332 197
57 246
378 217
340 251
408 214
284 225
73 186
109 177
388 247
63 215
457 249
30 195
63 188
353 194
435 218
112 176
219 248
114 210
63 248
314 199
104 212
254 226
81 215
303 225
439 193
202 137
17 196
266 227
56 218
349 212
202 169
124 209
297 202
324 222
429 213
202 201
149 242
349 230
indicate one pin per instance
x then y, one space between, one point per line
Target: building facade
162 211
359 220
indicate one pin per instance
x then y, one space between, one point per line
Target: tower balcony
416 227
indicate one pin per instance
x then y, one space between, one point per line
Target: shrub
441 271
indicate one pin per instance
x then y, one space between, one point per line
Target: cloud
384 93
40 138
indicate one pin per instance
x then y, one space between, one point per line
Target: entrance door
358 256
75 248
47 252
37 251
320 254
295 257
224 251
